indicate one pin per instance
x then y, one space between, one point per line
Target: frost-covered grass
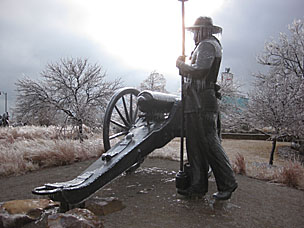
28 148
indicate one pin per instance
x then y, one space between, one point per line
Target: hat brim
215 29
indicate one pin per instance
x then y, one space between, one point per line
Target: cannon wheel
120 116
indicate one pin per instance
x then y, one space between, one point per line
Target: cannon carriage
135 124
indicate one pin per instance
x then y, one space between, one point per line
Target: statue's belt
190 90
201 85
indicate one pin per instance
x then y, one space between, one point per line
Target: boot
224 195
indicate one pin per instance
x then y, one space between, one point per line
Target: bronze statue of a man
201 113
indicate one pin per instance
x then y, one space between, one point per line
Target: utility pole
5 100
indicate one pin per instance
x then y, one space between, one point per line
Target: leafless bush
239 165
292 174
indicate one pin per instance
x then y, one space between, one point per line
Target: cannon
135 124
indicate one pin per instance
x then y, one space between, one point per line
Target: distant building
238 101
227 77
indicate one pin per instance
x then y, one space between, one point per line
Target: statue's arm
205 55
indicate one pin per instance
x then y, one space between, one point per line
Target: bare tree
286 61
155 82
72 87
278 96
271 105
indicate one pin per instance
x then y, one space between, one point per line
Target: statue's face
196 35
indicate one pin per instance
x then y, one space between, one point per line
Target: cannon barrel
151 101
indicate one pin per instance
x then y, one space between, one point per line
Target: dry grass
253 150
250 157
24 149
255 157
262 171
9 134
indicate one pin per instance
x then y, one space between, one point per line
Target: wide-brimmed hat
205 22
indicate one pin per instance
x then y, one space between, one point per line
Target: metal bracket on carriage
57 187
118 148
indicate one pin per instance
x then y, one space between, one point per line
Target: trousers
203 149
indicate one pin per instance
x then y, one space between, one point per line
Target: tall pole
182 180
182 91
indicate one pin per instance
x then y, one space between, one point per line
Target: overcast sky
132 38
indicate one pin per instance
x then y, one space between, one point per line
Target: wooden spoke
119 124
117 135
121 116
125 108
131 108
